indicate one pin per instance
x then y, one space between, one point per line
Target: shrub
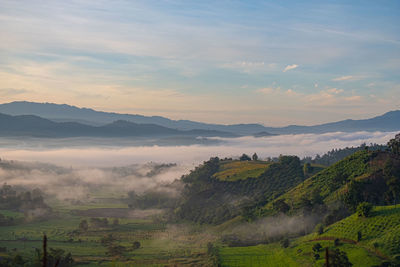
285 243
364 209
317 247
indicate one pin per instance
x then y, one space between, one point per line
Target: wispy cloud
347 78
290 67
12 91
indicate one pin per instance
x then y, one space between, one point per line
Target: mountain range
32 125
74 121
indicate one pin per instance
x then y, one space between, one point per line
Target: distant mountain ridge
32 125
389 121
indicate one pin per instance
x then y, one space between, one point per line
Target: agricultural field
160 244
379 242
240 170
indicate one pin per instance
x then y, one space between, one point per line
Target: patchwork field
240 170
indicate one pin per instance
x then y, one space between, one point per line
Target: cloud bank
121 154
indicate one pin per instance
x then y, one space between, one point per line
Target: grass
159 246
12 214
298 254
382 228
240 170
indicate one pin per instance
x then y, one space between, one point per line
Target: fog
84 182
75 169
117 152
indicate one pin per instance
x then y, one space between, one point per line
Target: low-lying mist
82 182
78 170
114 152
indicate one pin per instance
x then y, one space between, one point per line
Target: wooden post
44 251
327 257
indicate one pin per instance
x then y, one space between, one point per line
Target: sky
228 61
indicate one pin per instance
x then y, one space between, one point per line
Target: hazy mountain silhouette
32 125
389 121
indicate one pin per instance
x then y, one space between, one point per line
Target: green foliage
317 247
307 169
136 245
382 228
240 170
364 209
394 145
338 258
336 155
244 157
25 201
207 199
319 228
280 206
357 178
254 157
285 242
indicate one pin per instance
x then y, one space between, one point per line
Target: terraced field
240 170
160 245
381 231
380 242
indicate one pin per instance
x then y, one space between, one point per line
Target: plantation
380 242
240 170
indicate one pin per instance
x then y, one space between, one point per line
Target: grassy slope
355 166
240 170
382 228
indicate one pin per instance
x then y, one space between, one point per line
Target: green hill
380 242
220 190
240 170
363 176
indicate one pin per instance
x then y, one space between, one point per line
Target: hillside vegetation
210 196
363 176
378 242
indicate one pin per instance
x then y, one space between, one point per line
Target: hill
379 243
363 176
389 121
30 125
220 190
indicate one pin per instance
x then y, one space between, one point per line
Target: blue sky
272 62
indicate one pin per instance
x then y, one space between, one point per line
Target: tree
280 206
317 247
244 157
364 209
319 229
338 258
359 236
394 145
307 169
285 243
255 157
83 226
135 245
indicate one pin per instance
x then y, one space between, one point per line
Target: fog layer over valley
120 152
74 170
82 183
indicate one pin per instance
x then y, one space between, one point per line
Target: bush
285 243
319 229
364 209
317 247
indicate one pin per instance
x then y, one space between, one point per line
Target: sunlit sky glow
272 62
